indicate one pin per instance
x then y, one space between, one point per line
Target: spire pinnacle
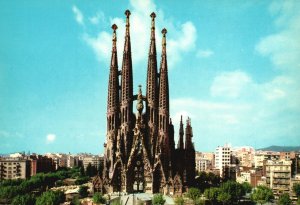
127 14
153 15
164 42
114 27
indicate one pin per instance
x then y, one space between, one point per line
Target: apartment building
14 168
278 176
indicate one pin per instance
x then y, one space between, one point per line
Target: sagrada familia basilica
140 153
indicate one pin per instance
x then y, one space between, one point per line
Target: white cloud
230 84
50 138
180 37
78 15
98 18
204 53
283 47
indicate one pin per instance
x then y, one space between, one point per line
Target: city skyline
233 68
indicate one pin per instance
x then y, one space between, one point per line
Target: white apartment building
223 157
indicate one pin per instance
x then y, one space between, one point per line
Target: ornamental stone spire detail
152 90
127 116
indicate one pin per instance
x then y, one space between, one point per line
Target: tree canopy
158 199
193 193
262 194
51 198
98 198
284 199
83 191
296 189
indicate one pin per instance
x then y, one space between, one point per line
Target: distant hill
281 148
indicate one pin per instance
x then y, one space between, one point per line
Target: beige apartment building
14 168
278 176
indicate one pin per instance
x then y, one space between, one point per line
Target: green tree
11 182
246 187
296 189
9 192
206 180
298 201
211 194
83 191
233 190
179 201
284 199
26 199
51 198
199 201
224 197
158 199
75 201
91 170
98 198
82 180
262 194
82 172
193 193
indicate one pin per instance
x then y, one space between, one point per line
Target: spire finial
164 31
127 13
181 118
153 15
114 27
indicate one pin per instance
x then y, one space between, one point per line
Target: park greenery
262 195
284 199
296 189
158 199
34 190
209 189
98 198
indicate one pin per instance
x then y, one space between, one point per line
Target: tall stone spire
163 88
113 106
180 144
127 90
189 154
113 87
163 106
152 90
188 135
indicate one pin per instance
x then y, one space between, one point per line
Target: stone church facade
140 153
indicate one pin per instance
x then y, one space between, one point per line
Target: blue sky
234 68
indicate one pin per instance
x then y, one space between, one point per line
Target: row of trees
26 190
231 192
